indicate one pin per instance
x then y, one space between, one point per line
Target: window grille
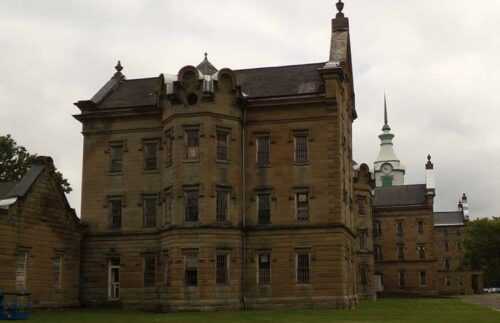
116 213
222 269
222 206
264 269
149 207
222 146
301 149
303 268
302 206
263 150
264 208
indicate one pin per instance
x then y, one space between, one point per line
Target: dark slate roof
281 81
6 188
206 68
24 185
400 195
448 218
128 93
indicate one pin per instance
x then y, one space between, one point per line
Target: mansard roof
402 195
128 93
454 218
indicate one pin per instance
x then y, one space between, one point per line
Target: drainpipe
243 203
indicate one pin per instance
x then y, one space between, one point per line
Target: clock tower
388 168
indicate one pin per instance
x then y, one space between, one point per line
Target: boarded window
150 155
191 270
301 148
21 270
191 206
57 272
149 270
222 146
222 205
264 263
264 208
149 209
222 263
116 213
116 165
192 144
263 150
302 206
303 268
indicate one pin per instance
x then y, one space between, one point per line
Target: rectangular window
116 165
192 144
400 249
421 252
149 270
377 229
264 208
303 268
264 263
363 273
423 278
222 146
420 227
222 263
191 206
116 213
169 147
149 210
263 150
165 269
399 229
301 148
150 155
191 270
21 270
446 246
168 208
402 278
222 206
447 264
378 253
361 201
363 239
302 206
57 271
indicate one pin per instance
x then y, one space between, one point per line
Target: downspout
243 203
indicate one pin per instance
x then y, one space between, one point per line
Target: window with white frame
57 263
264 269
21 270
302 206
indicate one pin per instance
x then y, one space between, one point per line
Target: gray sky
437 60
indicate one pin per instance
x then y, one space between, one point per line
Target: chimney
465 207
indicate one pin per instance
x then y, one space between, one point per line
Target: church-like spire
205 67
386 118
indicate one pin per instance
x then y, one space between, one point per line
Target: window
191 269
21 270
399 229
191 207
222 146
447 265
165 269
423 278
264 263
116 213
264 208
363 273
150 155
149 210
361 206
222 263
302 206
377 229
149 270
301 148
192 144
169 147
402 278
363 239
222 206
387 181
168 208
378 253
400 249
459 246
263 150
421 252
446 246
116 165
420 227
447 281
57 271
303 267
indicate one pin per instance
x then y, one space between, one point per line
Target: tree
16 160
482 248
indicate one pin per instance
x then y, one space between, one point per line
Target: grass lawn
387 310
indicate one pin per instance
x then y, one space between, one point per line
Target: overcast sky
438 61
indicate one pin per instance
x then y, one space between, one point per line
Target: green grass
387 311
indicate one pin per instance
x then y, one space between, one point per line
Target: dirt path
489 300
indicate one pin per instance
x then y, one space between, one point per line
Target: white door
114 281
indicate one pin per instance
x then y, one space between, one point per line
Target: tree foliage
15 161
482 248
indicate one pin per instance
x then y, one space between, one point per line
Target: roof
281 80
5 189
24 185
128 93
206 68
403 195
455 218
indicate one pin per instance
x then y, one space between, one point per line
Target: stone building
222 188
40 239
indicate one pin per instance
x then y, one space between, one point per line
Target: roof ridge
278 66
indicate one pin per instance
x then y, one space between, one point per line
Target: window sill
223 162
152 171
263 166
307 163
115 173
191 161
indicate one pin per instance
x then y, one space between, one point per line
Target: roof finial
206 55
119 67
386 118
429 164
340 6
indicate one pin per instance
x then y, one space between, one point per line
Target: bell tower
388 169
